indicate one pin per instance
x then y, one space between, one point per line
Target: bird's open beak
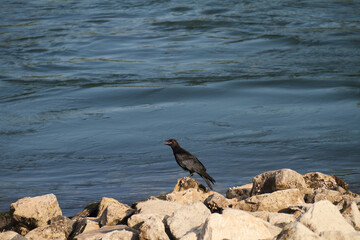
167 143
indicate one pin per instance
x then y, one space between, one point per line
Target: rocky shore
281 204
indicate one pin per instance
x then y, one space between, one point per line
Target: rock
316 180
120 235
281 219
153 229
282 179
337 235
297 210
59 229
91 210
112 212
352 215
194 235
155 208
274 218
235 224
341 183
11 235
84 225
324 216
271 202
31 212
297 231
324 194
187 196
217 202
241 192
188 183
136 220
121 232
5 221
187 218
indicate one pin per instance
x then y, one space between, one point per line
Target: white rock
187 218
153 229
35 211
324 216
136 220
272 202
158 206
280 219
352 215
10 235
59 229
194 235
152 208
45 233
187 196
119 235
297 231
106 233
112 212
337 235
282 179
85 225
235 224
216 202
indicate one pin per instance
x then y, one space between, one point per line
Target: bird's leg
191 174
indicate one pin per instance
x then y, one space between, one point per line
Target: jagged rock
153 228
337 235
194 235
11 235
187 196
240 192
5 221
187 218
59 229
352 215
120 235
272 202
297 210
136 220
154 207
323 194
217 202
84 225
280 219
282 179
236 224
117 232
112 212
316 180
31 212
91 210
186 183
324 216
297 231
274 218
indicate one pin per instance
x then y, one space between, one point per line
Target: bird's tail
208 178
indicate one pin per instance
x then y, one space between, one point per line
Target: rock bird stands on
189 162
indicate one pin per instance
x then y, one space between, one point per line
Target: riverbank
281 204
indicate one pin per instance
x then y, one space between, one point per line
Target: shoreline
279 204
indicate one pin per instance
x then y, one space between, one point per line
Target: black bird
189 162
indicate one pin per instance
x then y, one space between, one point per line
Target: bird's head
171 142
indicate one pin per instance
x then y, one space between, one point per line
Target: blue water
89 91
